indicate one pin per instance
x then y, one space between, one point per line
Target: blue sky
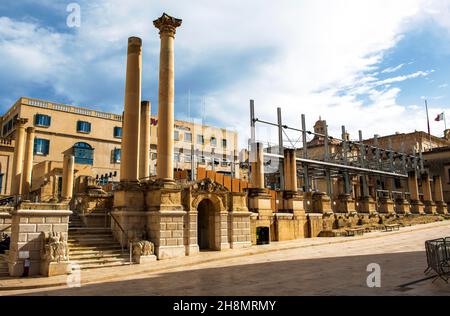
364 64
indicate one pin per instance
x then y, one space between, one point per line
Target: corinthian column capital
167 25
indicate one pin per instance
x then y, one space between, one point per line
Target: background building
94 138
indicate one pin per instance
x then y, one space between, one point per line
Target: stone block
36 220
177 234
60 228
22 237
171 242
53 220
145 259
55 268
23 220
33 236
44 228
171 226
27 228
165 234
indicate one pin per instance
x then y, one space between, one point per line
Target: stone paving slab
397 249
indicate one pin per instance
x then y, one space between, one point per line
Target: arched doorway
206 225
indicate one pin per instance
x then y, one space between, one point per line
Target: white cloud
393 69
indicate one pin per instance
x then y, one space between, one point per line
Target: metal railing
438 257
121 236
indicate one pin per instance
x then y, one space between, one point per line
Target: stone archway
206 223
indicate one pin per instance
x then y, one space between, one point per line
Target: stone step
106 265
97 255
99 260
78 249
89 230
94 243
80 240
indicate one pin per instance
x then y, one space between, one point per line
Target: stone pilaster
167 28
144 151
417 206
19 151
430 206
441 206
257 166
366 205
67 178
28 163
165 219
131 121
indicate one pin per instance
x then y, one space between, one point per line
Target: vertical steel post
327 158
305 155
280 148
344 157
421 156
362 156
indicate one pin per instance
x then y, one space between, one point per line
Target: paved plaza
319 266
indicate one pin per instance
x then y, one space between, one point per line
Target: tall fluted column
129 166
28 162
19 149
167 27
144 151
67 180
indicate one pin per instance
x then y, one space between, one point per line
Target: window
84 154
225 162
398 183
200 139
176 135
117 132
1 182
41 146
42 120
224 143
116 155
187 156
83 127
176 157
213 141
188 137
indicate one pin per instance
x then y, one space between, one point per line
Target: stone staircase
93 247
4 272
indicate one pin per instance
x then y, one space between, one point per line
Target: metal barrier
438 257
129 242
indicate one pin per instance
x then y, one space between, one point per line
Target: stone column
144 152
167 27
287 170
19 150
67 179
131 121
416 204
28 163
257 174
293 167
441 206
430 206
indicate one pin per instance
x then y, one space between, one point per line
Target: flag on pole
440 117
